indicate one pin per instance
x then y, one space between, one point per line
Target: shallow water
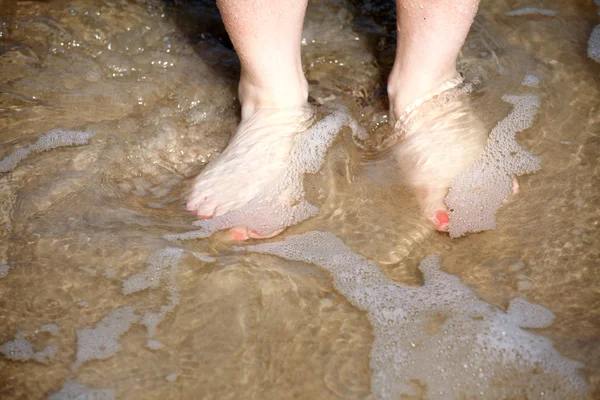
93 297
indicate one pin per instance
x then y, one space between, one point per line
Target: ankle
406 89
291 92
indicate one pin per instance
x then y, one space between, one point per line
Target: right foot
255 157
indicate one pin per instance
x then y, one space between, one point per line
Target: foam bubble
440 335
101 342
282 203
204 257
155 345
4 268
78 391
18 349
48 141
478 192
21 349
52 329
530 11
163 264
172 377
531 81
527 315
524 284
594 44
110 272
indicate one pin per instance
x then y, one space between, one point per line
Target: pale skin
273 93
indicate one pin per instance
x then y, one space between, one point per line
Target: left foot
438 138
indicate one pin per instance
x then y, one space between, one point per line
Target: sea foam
477 193
48 141
440 340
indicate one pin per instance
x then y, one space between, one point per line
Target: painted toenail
204 216
238 235
442 218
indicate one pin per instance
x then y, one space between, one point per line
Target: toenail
204 216
237 235
442 218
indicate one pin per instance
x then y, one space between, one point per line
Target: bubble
594 44
282 203
163 264
477 193
440 334
172 377
21 349
204 257
74 390
101 342
4 268
531 81
52 140
530 11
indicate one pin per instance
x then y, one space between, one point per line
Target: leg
430 36
267 37
273 93
437 142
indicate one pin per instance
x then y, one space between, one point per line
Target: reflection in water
96 302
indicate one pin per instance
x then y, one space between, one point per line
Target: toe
206 210
515 191
431 201
441 220
239 233
194 202
515 186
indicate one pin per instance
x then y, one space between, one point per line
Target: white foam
101 342
191 235
477 193
282 203
110 273
531 81
21 349
594 44
52 329
48 141
204 257
4 268
440 335
154 344
163 264
18 349
530 11
524 284
77 391
527 315
172 377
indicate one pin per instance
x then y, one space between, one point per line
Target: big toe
433 208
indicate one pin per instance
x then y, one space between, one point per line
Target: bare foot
255 156
436 139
